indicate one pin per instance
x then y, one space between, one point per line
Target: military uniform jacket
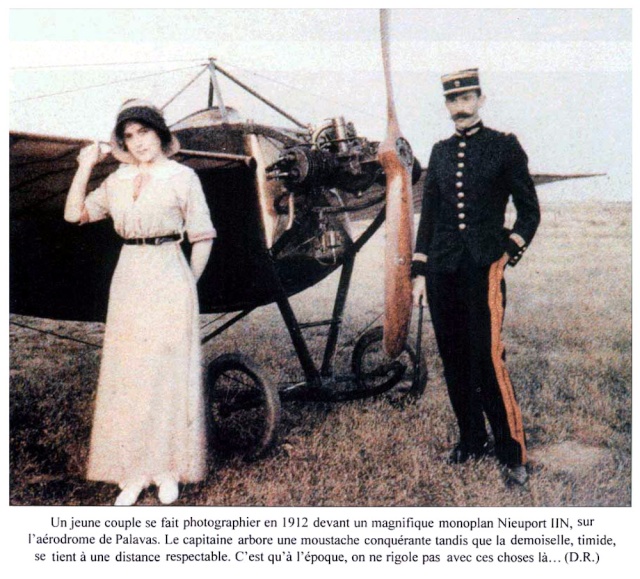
467 187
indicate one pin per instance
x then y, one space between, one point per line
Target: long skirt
149 411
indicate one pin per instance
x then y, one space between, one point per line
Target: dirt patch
571 457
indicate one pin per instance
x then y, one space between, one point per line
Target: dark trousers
467 310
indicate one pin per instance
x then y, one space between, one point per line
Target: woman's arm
200 252
88 158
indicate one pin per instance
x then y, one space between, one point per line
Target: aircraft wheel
243 409
376 373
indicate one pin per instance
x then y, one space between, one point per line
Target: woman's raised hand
91 155
88 157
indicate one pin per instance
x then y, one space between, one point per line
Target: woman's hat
142 111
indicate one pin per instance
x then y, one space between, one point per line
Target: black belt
152 240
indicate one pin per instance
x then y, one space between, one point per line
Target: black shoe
517 475
462 452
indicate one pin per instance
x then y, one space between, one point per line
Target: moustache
459 116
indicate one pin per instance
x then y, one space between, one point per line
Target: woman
149 417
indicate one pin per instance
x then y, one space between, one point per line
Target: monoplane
282 201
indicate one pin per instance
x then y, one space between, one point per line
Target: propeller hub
404 151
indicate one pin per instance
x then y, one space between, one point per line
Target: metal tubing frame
370 231
313 376
308 365
309 368
185 87
299 343
260 97
216 89
214 155
226 325
342 292
338 310
416 367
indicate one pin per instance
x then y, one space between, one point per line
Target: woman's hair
163 135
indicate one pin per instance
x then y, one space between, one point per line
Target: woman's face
143 143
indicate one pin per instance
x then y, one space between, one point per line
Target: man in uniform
462 248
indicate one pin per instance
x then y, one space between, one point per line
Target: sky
559 79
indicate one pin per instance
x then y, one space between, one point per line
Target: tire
243 409
375 373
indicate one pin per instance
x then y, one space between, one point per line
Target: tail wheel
243 409
376 373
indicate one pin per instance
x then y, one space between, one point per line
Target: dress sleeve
197 217
96 204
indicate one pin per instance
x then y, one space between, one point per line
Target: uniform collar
469 131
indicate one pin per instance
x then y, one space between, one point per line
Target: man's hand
514 251
419 290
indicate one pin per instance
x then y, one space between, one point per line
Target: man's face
464 108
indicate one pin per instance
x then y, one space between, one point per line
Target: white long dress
149 412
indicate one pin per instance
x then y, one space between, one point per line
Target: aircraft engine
335 157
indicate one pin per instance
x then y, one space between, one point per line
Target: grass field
568 338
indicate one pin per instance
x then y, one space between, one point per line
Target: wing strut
216 89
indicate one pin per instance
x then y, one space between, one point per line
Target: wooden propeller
395 156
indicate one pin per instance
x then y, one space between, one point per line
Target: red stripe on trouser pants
514 416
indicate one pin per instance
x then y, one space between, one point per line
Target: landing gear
243 409
374 372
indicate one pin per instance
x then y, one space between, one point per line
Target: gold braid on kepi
461 81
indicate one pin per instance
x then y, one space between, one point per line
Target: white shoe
168 491
129 495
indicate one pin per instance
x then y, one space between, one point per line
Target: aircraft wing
377 191
41 170
543 178
57 270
